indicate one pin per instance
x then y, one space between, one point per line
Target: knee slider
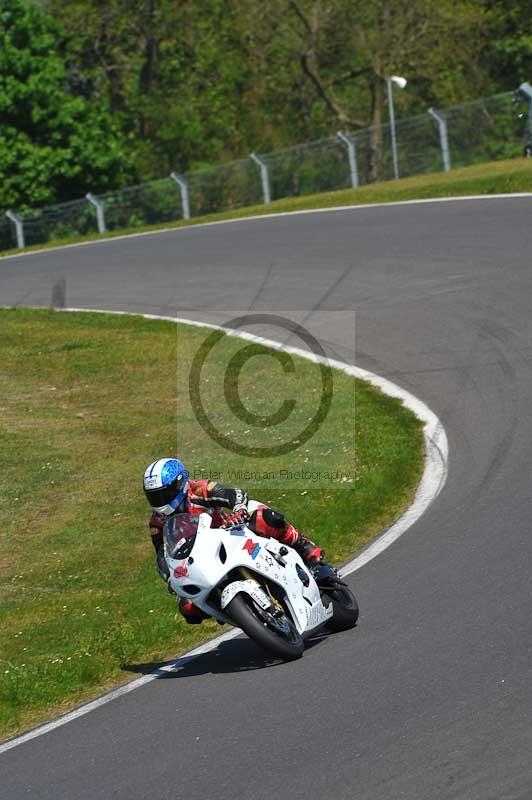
274 518
267 522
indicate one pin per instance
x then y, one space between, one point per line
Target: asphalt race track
431 695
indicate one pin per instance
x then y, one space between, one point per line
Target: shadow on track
236 655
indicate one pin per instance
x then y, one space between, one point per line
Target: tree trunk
147 70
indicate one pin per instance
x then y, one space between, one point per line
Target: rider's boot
313 558
309 551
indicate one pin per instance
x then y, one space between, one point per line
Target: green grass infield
87 401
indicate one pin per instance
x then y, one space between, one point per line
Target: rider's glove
156 522
239 514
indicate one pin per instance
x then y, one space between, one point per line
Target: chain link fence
320 166
475 132
137 206
61 221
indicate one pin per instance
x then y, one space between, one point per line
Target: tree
54 145
178 84
509 57
346 49
172 71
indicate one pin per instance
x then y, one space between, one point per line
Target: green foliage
98 94
172 71
53 144
508 59
196 83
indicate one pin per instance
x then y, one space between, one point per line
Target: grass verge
498 177
86 401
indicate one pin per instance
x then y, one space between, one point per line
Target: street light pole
401 82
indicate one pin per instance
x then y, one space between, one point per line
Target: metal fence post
352 156
98 205
391 114
183 187
266 194
19 227
444 141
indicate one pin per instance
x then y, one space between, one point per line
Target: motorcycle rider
169 490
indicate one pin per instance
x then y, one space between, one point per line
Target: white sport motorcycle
255 583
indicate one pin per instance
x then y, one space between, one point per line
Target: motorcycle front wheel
273 632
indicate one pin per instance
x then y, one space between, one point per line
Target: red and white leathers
212 497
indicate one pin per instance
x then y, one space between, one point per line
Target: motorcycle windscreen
180 534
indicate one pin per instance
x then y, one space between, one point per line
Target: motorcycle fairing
217 551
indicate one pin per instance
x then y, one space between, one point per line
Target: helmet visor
164 495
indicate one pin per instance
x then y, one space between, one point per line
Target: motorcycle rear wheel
276 635
345 609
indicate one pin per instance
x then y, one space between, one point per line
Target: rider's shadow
234 655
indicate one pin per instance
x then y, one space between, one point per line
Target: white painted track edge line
432 482
273 215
